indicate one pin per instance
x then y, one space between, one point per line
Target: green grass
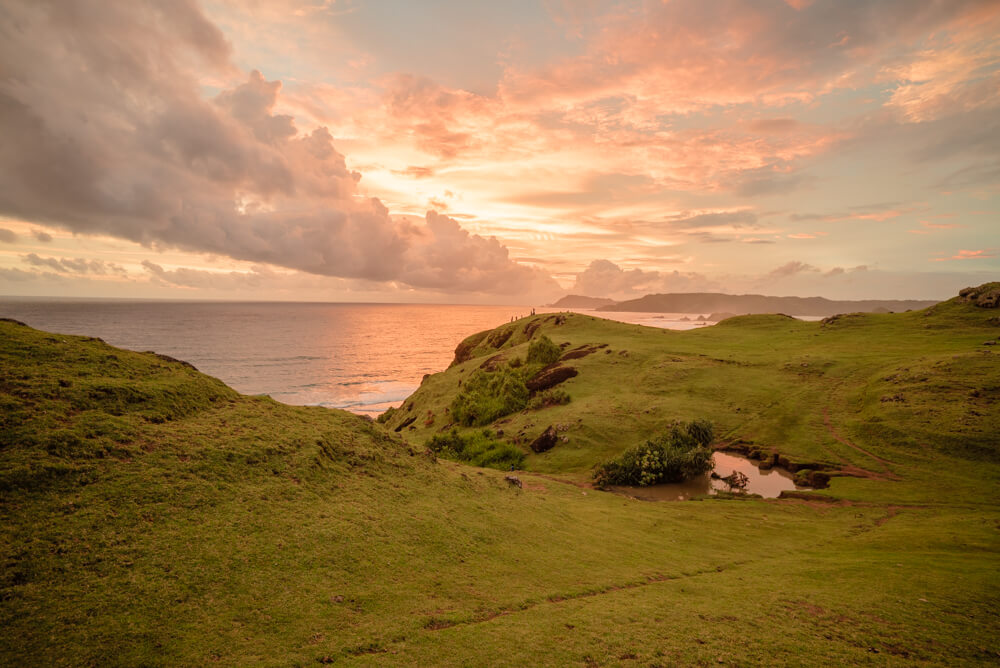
878 396
479 448
151 516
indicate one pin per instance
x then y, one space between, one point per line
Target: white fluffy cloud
124 143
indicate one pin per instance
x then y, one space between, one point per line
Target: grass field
152 516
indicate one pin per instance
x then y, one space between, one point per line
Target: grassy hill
149 515
907 398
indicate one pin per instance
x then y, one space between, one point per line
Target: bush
543 351
674 456
701 431
486 396
386 416
479 448
548 398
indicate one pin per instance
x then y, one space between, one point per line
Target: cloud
790 269
199 278
75 265
838 271
6 236
603 278
41 235
416 172
715 220
968 255
773 125
660 57
874 212
15 275
149 159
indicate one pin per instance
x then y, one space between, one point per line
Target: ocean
363 358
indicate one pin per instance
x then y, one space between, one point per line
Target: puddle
768 484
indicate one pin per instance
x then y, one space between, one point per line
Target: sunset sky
506 152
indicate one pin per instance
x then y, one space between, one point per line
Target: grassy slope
150 515
909 399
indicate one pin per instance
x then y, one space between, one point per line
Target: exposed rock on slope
984 296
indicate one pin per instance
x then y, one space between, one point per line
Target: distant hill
580 301
702 302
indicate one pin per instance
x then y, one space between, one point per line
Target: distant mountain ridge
580 301
702 302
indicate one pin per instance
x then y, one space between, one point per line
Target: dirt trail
855 470
564 481
435 624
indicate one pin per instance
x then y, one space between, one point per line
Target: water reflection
769 484
360 357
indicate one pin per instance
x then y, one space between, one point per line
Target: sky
485 152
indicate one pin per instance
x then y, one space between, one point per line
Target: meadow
153 516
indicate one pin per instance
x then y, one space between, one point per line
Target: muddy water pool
769 484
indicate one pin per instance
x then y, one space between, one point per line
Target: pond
769 484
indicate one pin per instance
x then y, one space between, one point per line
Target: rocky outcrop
545 441
406 423
463 353
582 351
513 481
986 295
550 376
500 337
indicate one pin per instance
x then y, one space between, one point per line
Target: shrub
479 448
488 395
386 416
674 456
543 351
701 431
548 398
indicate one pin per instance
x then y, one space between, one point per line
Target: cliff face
705 302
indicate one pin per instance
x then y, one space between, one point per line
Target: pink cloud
967 255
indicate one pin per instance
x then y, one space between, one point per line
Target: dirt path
855 470
436 624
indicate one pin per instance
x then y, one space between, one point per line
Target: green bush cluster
486 396
551 397
674 456
479 448
543 351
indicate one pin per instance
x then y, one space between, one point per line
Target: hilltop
847 395
705 302
151 515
